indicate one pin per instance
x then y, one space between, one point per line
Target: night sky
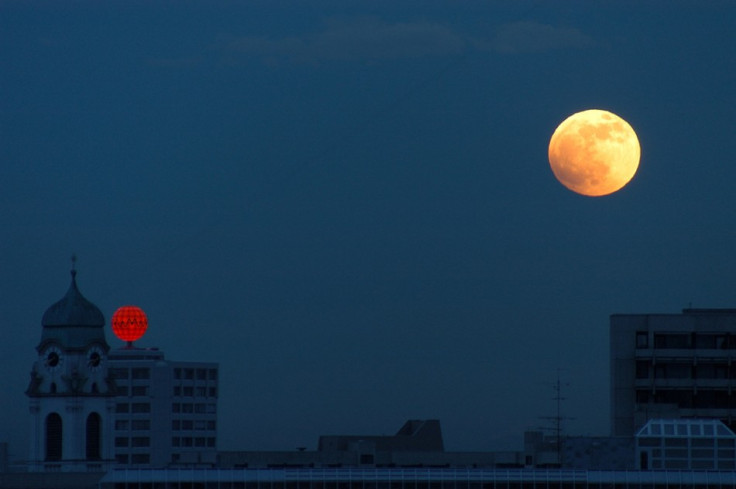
348 204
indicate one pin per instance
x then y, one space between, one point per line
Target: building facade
165 411
93 407
671 366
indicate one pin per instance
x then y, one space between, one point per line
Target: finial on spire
74 264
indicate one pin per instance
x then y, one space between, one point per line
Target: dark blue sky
348 205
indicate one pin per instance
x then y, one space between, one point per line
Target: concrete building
671 366
165 411
93 407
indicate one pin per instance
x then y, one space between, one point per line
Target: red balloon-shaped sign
129 323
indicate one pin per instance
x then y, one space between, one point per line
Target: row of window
199 391
121 373
134 407
684 370
135 424
193 424
198 407
134 441
141 373
688 398
189 441
687 340
198 373
134 458
136 390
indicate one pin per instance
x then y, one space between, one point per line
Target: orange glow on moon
594 153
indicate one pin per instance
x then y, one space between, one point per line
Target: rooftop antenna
558 418
74 264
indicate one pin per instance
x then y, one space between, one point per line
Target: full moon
594 153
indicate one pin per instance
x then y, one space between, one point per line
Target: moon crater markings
594 153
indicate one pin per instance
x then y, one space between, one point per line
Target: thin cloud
354 39
534 37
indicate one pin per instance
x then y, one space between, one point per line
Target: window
211 408
140 441
175 441
121 458
141 424
122 408
140 458
186 441
642 369
642 339
141 373
121 441
211 424
175 425
141 407
201 374
53 437
211 441
672 340
199 441
118 373
176 407
93 436
140 390
187 408
187 424
121 424
122 390
188 391
200 424
177 373
201 391
213 391
199 407
177 390
189 373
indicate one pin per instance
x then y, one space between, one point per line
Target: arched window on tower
53 437
94 434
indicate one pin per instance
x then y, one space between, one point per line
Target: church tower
71 394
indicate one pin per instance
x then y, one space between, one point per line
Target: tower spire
74 264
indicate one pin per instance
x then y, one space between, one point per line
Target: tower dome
73 310
73 321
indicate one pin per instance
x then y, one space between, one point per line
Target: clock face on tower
52 358
94 358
